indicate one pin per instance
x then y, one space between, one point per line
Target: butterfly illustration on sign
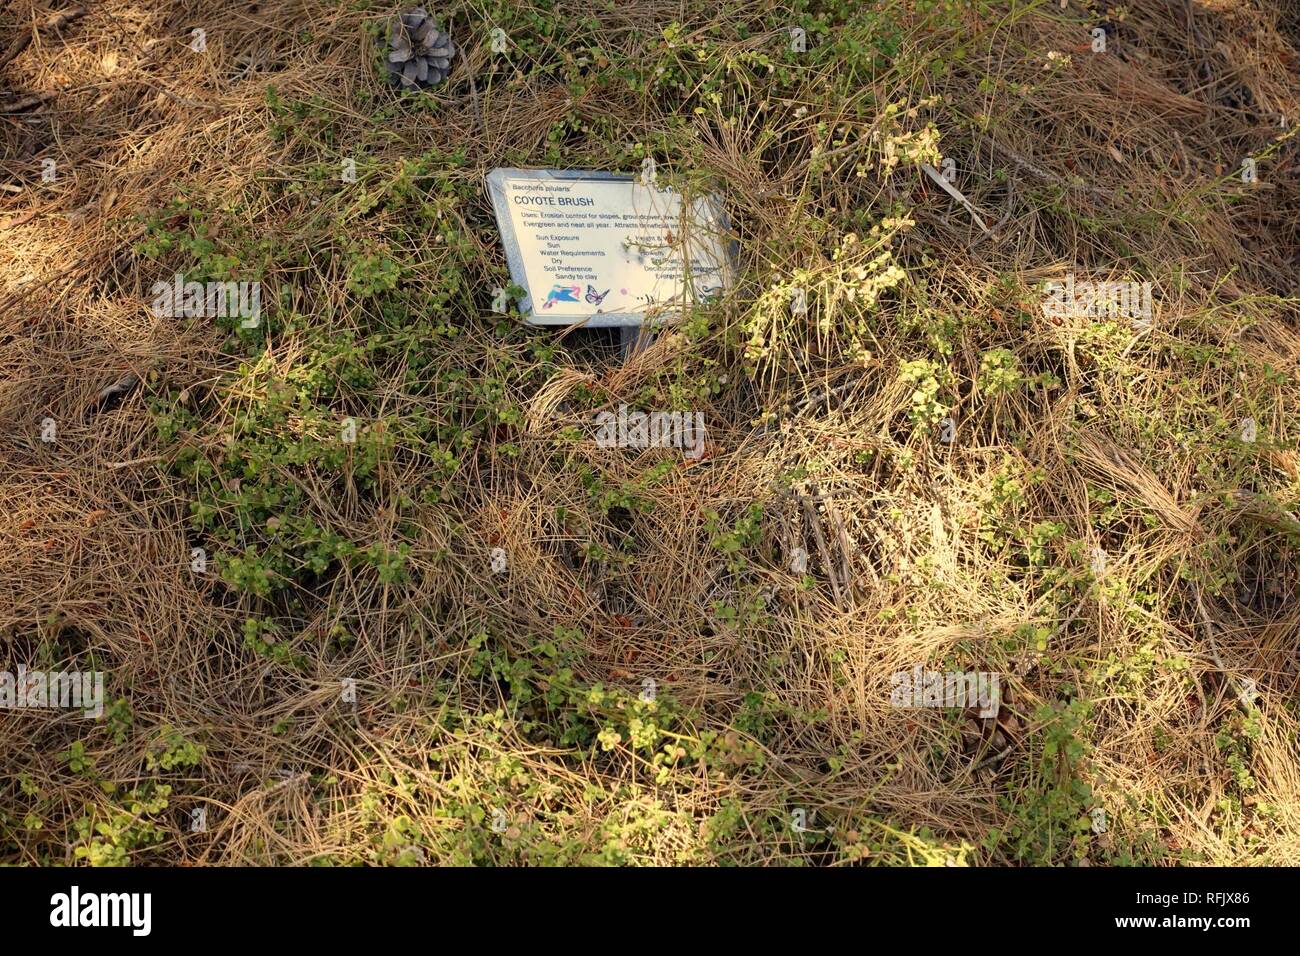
594 297
562 293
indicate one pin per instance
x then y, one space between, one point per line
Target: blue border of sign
496 192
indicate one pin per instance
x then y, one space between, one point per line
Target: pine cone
419 56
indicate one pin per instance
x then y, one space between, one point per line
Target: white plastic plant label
606 250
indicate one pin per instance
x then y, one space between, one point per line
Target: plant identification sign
605 250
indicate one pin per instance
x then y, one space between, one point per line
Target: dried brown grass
92 528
